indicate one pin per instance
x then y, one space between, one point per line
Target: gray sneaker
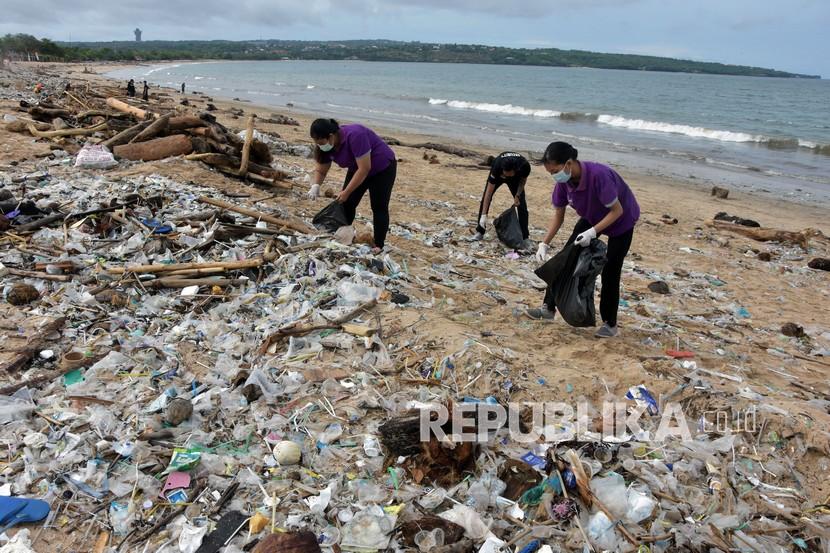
607 331
541 314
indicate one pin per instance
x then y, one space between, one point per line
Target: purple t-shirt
355 142
599 187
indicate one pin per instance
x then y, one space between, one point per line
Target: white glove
482 221
585 238
542 252
314 192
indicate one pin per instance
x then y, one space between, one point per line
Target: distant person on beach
182 88
131 89
146 94
371 166
512 169
605 205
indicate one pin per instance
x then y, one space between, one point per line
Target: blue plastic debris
643 398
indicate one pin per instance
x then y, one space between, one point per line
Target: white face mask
326 147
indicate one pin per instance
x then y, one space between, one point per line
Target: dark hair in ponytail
559 152
323 128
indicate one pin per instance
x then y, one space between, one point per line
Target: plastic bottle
429 540
331 434
371 446
120 518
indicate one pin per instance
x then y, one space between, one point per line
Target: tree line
366 50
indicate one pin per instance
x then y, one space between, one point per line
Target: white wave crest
162 67
696 132
508 109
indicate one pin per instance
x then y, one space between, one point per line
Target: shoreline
758 203
689 164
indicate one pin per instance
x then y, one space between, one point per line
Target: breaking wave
508 109
640 125
695 132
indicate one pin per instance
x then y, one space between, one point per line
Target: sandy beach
726 305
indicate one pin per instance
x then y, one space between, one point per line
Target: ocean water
770 135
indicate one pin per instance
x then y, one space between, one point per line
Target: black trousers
609 297
523 216
380 192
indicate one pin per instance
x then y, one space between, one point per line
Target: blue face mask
561 176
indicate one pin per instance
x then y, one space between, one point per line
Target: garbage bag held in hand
571 276
508 228
330 218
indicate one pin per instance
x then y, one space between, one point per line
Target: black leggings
609 297
379 186
523 217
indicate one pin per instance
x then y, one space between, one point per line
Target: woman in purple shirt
370 165
605 205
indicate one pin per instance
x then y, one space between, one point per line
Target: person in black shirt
146 94
512 169
131 89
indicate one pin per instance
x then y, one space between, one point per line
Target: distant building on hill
137 34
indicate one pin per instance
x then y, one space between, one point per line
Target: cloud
215 16
210 16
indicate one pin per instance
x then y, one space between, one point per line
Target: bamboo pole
44 276
175 282
299 226
166 268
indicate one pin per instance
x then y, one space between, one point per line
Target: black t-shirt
510 161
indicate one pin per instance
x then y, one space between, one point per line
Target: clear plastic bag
353 293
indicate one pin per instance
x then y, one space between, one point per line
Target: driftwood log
67 132
47 114
764 234
23 355
301 329
452 150
156 128
23 126
246 148
232 163
126 108
258 179
158 148
126 135
185 122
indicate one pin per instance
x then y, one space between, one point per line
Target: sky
790 36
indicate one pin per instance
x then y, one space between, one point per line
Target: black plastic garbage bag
508 228
330 218
571 276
